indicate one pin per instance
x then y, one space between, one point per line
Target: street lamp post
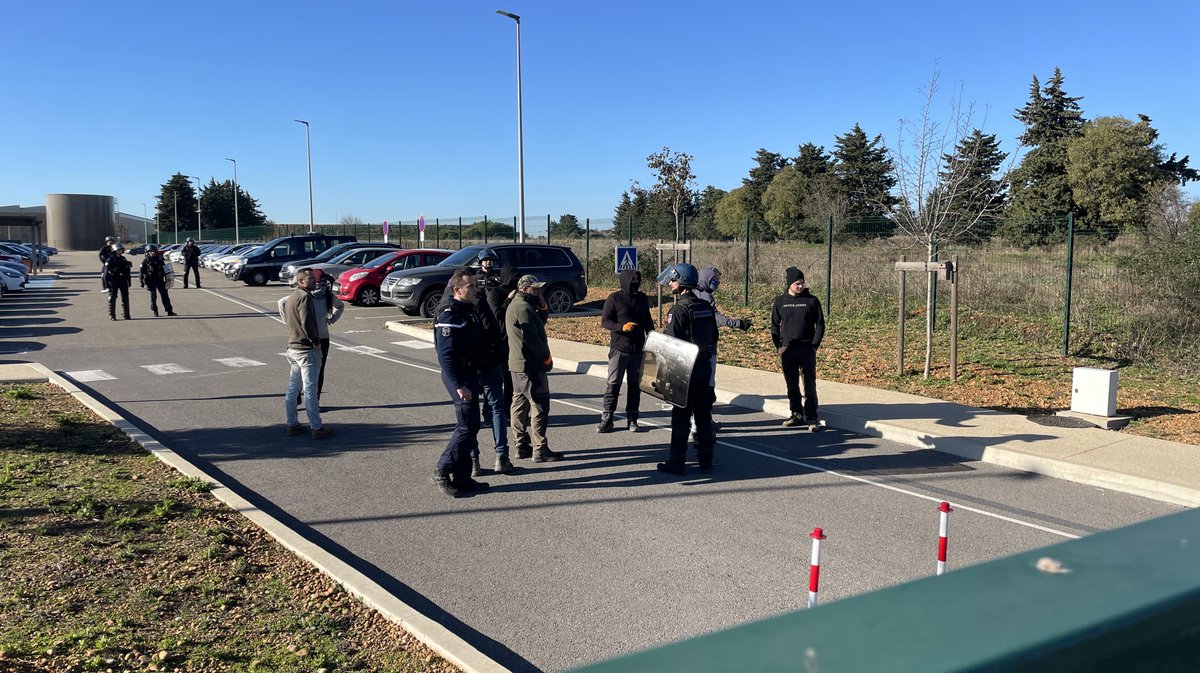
145 226
175 194
520 140
308 145
236 236
199 220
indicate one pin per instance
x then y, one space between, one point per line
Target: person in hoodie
797 328
626 314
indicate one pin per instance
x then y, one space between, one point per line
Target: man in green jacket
529 360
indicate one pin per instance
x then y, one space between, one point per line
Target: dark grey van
261 265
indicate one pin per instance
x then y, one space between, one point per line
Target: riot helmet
684 273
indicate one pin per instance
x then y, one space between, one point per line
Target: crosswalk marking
365 350
91 375
167 368
415 344
240 362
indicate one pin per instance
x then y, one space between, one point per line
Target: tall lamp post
145 226
520 140
236 236
175 193
308 145
199 221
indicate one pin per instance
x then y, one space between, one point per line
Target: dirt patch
110 561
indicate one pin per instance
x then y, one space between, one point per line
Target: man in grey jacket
304 354
529 360
328 309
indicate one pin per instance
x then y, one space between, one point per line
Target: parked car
361 285
24 252
419 290
14 280
261 265
288 271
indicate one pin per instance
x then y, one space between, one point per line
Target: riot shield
168 275
667 365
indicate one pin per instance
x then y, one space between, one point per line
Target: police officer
691 319
104 254
154 278
191 261
117 275
458 335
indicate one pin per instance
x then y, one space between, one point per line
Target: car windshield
462 257
379 261
329 253
256 251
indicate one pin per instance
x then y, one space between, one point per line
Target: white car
14 281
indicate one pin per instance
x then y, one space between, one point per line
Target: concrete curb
957 446
438 638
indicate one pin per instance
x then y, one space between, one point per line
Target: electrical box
1094 391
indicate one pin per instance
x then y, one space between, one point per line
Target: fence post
485 229
746 268
828 264
587 251
460 231
683 239
437 232
515 232
631 230
547 228
1066 341
933 279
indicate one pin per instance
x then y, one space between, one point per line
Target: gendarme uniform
458 336
692 319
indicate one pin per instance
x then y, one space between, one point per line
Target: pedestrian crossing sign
626 258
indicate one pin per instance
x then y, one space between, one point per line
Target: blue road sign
626 258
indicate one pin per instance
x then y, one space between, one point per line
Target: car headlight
10 273
408 281
358 276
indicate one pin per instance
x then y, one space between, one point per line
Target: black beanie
793 275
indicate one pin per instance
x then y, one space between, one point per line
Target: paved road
560 564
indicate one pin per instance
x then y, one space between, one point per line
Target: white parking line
91 375
240 362
167 368
415 344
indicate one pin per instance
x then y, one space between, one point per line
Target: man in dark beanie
797 327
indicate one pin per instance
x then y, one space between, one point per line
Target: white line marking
415 344
40 283
167 368
91 375
809 466
365 350
240 362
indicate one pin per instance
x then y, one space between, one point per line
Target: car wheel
429 302
258 278
368 295
559 299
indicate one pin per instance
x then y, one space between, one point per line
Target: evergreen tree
566 226
1040 196
812 160
703 224
972 171
866 176
766 166
176 203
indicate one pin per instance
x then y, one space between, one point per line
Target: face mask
633 287
714 283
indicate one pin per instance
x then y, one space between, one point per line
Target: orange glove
629 327
549 362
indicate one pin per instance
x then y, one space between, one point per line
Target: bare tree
674 181
1167 212
942 191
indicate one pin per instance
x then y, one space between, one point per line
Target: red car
361 285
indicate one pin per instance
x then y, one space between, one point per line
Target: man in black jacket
691 319
154 277
458 335
797 328
104 254
118 273
191 261
626 314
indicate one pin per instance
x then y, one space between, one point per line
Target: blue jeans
493 395
306 367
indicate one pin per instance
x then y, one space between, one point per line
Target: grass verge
110 561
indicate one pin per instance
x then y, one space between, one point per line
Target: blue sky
413 105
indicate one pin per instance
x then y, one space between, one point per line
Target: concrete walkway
1152 468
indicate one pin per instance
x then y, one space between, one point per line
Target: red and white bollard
943 536
814 570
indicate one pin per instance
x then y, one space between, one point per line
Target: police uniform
191 262
691 319
458 336
154 278
118 272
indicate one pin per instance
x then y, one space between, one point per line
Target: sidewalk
1152 468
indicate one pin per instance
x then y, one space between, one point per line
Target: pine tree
766 166
176 203
812 160
866 176
973 167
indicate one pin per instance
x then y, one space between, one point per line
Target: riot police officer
458 335
104 254
154 278
118 273
691 319
191 261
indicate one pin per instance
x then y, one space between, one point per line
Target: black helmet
191 240
109 239
488 253
153 247
117 247
684 273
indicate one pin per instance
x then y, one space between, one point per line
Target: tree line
178 201
942 178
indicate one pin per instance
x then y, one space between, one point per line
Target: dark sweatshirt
625 306
797 321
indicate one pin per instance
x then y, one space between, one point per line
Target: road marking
41 283
365 350
240 362
358 331
415 344
809 466
91 375
167 368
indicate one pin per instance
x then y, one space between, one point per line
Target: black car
287 272
420 290
261 265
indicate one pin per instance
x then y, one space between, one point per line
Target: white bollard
943 536
814 569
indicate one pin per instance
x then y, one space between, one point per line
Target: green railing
1124 600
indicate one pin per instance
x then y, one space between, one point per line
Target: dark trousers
321 376
156 288
112 301
103 276
456 458
622 367
194 268
699 406
801 362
